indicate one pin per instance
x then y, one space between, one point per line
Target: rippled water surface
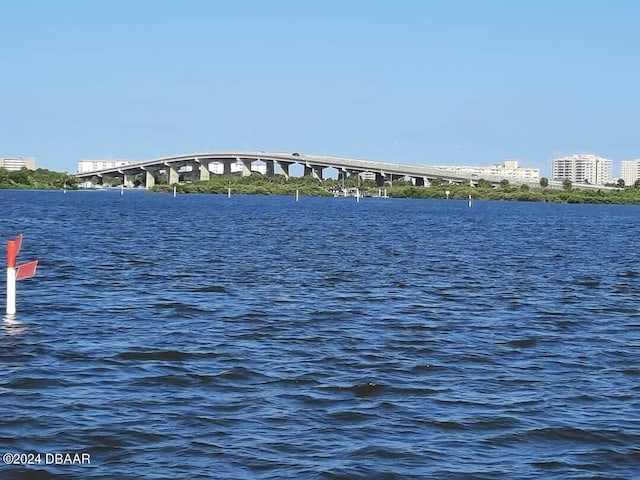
260 338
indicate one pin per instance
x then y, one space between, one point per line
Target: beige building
630 171
509 170
18 163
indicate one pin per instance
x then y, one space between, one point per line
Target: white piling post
297 195
174 191
447 193
13 247
357 195
229 192
121 189
470 201
11 290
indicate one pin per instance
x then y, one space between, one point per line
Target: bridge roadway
313 166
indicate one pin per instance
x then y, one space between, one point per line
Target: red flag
13 248
26 270
18 242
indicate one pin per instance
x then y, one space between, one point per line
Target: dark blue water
260 338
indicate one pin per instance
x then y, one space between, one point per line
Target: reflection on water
12 326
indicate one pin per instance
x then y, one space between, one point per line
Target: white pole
11 291
229 193
13 248
297 194
121 189
174 191
357 195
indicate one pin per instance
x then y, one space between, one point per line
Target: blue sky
424 82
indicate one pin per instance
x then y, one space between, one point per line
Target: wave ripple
323 339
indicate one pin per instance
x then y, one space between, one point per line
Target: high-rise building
583 168
18 163
630 171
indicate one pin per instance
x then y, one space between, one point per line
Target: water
260 338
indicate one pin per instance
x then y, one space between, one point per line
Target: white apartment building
93 165
18 163
218 167
630 171
509 170
583 168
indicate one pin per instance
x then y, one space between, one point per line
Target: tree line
40 178
279 185
483 190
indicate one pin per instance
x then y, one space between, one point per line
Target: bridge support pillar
149 179
391 177
418 181
174 176
308 170
284 168
203 167
314 171
379 180
270 167
127 181
226 167
246 167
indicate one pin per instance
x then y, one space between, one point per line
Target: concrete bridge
314 165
